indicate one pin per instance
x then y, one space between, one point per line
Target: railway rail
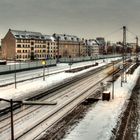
69 97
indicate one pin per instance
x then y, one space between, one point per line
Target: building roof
65 37
18 34
91 42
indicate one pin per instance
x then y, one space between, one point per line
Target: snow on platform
103 117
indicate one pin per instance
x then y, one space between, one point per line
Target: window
18 46
18 51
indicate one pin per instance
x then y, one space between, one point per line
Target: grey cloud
86 18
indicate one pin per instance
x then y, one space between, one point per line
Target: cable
113 32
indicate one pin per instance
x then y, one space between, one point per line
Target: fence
87 58
21 66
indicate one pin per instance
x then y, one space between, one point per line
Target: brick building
25 45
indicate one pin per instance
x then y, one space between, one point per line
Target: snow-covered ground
103 117
20 76
31 87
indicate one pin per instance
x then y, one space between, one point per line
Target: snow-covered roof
49 38
65 37
18 34
91 42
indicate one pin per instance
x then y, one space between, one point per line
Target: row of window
36 46
36 51
39 51
23 56
43 41
44 56
36 56
44 51
23 51
35 41
28 41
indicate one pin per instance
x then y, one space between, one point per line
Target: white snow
100 120
31 87
103 117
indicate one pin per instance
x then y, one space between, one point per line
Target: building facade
92 48
69 46
25 45
102 45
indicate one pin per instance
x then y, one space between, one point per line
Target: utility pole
79 51
23 103
137 49
58 41
12 122
123 76
15 74
113 88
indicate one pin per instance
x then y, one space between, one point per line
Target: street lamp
15 74
58 41
43 63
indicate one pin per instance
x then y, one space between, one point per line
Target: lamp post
113 82
137 49
43 63
15 74
113 75
58 47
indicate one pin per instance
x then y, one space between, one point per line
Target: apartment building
69 45
91 47
26 45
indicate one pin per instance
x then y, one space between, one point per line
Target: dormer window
17 36
23 36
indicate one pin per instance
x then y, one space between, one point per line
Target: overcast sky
84 18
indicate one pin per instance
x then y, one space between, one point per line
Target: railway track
85 89
49 92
